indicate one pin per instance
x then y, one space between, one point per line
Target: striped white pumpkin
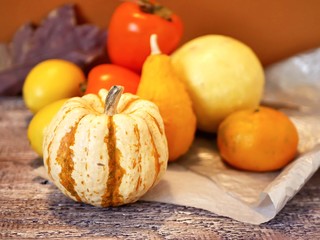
106 160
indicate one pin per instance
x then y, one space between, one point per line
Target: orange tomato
107 75
262 139
130 28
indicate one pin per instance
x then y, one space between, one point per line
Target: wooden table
31 207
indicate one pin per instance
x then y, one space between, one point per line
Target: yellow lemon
50 81
40 121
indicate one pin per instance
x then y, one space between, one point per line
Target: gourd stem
112 100
154 45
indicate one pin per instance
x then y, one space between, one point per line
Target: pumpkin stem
154 44
112 100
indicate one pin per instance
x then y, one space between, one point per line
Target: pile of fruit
108 148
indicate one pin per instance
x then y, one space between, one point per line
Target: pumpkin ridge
102 99
86 107
102 105
156 122
138 161
151 116
48 160
137 134
155 150
156 158
64 159
128 104
83 104
112 196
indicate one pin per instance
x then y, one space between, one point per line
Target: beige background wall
275 29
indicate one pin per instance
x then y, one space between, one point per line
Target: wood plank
31 207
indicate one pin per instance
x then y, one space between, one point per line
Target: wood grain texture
31 207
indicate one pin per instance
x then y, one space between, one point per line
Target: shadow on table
140 220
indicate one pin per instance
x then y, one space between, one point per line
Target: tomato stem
83 87
112 100
152 7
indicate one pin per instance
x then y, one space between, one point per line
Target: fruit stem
112 100
154 44
152 7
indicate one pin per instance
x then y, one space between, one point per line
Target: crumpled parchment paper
201 179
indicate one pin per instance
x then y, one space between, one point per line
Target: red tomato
129 33
107 75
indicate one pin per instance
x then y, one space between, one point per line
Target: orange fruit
261 139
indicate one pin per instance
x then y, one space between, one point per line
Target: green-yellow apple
221 74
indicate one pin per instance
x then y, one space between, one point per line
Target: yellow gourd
106 150
160 84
